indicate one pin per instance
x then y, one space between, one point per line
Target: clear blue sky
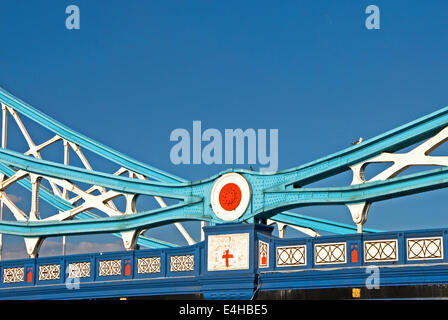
137 69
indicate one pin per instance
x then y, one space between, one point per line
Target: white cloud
16 250
12 251
54 248
88 247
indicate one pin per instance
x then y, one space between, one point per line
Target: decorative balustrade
199 268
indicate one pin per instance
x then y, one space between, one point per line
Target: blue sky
137 70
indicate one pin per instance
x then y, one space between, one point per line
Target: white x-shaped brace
102 202
61 188
419 156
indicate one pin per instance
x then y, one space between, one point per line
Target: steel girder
270 194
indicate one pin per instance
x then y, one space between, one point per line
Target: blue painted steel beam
395 139
118 183
64 205
280 200
275 200
391 141
83 141
297 219
372 191
275 196
143 220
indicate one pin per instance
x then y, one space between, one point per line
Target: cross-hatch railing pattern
271 256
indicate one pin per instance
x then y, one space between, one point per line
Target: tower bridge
238 257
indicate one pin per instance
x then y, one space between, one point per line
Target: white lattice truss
83 200
103 200
419 156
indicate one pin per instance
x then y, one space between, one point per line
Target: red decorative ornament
264 260
227 256
230 197
354 256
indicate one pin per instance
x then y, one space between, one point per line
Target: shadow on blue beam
237 261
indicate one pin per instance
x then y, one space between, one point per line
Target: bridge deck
253 262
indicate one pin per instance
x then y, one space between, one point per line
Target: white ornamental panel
425 248
228 252
109 268
49 272
328 253
11 275
182 263
291 256
263 254
149 265
381 250
79 270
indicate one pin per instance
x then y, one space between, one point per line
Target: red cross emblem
227 256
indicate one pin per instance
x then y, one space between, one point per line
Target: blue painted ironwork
81 140
271 200
271 194
127 279
64 205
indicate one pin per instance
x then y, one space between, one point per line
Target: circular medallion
230 196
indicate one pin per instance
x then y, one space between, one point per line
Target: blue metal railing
403 258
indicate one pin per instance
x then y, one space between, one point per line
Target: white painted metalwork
83 200
148 265
79 270
419 156
330 253
100 198
428 248
49 272
12 275
228 251
109 268
381 250
263 254
291 256
282 229
182 263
